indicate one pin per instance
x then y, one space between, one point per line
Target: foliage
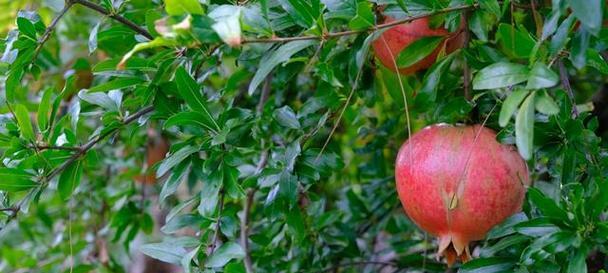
284 131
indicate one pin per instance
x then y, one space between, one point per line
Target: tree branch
265 93
49 30
563 75
216 236
89 145
11 209
352 32
116 17
245 231
49 147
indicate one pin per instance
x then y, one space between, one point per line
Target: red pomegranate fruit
390 43
457 182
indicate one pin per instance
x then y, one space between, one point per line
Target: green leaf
191 119
175 159
210 193
561 241
546 205
550 25
589 12
227 23
93 38
177 176
577 262
274 58
13 81
300 11
166 251
182 221
491 6
231 182
488 265
555 242
517 43
433 76
10 53
541 76
44 109
190 91
181 7
504 243
26 27
510 105
288 187
295 223
402 5
545 103
418 50
286 117
98 98
568 171
537 227
596 60
118 83
560 38
500 75
580 44
364 17
69 179
186 261
361 55
25 124
524 128
481 23
14 180
507 226
157 42
598 203
225 254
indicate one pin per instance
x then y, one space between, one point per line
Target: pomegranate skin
388 46
457 182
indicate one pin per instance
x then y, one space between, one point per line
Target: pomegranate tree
388 46
457 182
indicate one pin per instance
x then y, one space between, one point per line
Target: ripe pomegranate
457 182
388 46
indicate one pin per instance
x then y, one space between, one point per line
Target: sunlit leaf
524 128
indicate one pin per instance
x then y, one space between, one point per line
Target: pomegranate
388 46
457 182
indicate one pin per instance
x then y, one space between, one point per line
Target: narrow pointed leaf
524 128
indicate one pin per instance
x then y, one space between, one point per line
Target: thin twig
89 145
49 147
245 217
49 30
11 209
216 236
245 231
265 93
337 122
352 32
120 19
537 20
563 75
